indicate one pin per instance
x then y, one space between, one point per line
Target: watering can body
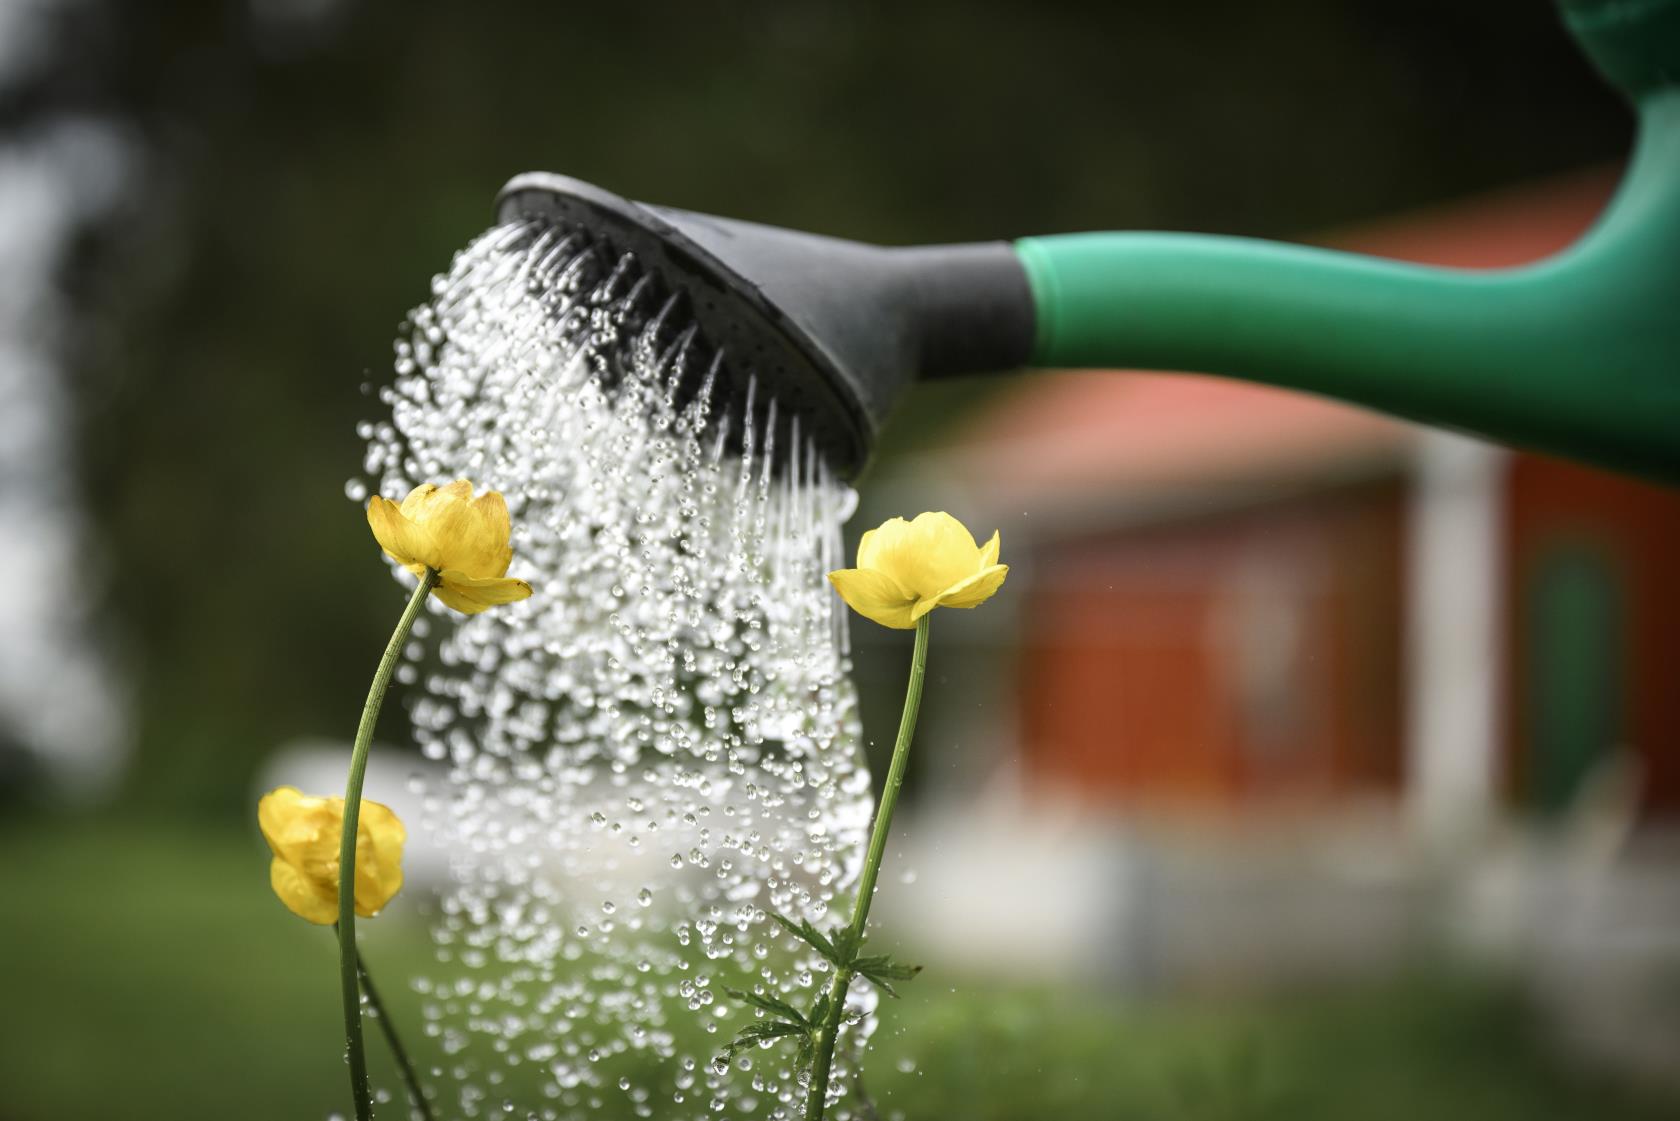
1577 355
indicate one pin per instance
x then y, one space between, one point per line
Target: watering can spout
1578 354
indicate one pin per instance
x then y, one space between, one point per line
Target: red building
1241 595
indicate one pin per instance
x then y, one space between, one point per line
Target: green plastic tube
1577 355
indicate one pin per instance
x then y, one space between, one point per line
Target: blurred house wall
1241 596
1254 655
1594 614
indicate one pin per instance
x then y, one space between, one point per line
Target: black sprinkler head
834 329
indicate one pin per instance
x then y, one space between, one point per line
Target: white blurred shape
1452 644
59 696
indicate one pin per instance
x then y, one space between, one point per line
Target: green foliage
841 950
814 938
774 1005
115 1017
882 970
786 1021
762 1031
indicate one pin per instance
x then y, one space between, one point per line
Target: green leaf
845 945
807 1052
774 1005
883 970
761 1031
886 967
819 1010
810 935
882 985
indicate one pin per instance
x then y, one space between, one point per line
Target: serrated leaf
884 986
774 1005
810 935
886 967
768 1029
819 1010
807 1051
845 945
761 1031
883 971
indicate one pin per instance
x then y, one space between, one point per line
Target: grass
148 973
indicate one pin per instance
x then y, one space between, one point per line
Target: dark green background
304 179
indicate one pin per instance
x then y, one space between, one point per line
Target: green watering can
1577 355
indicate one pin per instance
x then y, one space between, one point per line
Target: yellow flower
906 569
303 832
464 538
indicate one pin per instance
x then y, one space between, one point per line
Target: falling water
661 744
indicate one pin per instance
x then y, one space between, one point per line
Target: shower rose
906 569
462 538
302 830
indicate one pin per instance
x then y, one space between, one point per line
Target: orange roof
1068 433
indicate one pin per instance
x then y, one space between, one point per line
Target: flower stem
410 1078
816 1096
347 965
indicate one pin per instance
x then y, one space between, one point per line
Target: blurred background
1312 764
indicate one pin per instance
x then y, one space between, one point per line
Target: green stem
816 1095
347 967
410 1078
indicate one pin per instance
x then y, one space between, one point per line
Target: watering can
1576 355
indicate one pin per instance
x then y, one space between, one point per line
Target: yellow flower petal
426 502
383 825
457 531
302 896
300 829
401 539
446 528
493 534
874 541
305 832
379 846
430 497
875 595
416 500
906 569
925 556
469 595
977 589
